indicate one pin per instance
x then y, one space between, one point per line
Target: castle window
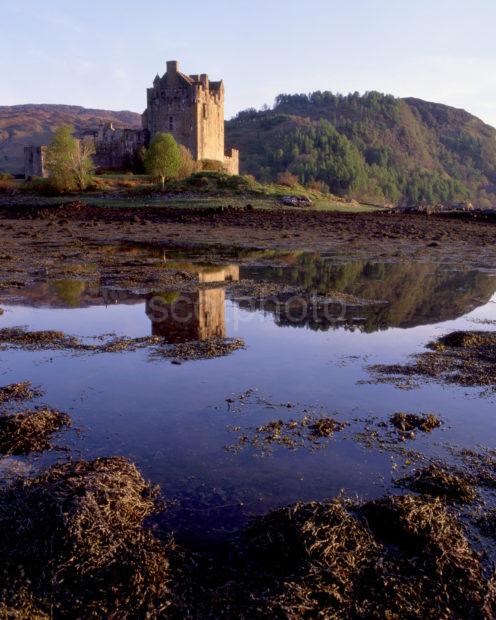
205 110
171 123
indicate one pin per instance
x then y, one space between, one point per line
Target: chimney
172 67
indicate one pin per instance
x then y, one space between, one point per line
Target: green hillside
374 147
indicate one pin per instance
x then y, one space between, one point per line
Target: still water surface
174 421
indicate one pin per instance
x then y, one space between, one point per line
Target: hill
23 125
373 146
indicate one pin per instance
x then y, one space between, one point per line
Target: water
174 421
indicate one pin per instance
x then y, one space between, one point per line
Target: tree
163 158
59 158
82 163
69 160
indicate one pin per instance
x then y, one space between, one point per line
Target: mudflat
38 230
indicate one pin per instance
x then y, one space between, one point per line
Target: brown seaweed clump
464 358
311 432
30 431
311 555
451 485
74 543
18 392
429 569
325 427
37 340
465 340
21 605
199 349
411 422
397 557
55 340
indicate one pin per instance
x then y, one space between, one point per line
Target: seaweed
396 557
450 484
18 392
465 340
308 431
74 543
55 340
411 422
463 358
198 349
36 340
30 431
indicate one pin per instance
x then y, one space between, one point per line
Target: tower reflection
183 317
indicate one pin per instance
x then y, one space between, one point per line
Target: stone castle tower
190 107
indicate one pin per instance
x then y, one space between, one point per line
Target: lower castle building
190 107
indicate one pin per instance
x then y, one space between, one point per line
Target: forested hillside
372 146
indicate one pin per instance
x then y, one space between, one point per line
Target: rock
296 201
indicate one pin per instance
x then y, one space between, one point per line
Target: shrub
188 164
287 179
7 182
212 165
318 186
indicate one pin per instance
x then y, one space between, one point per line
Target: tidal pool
180 422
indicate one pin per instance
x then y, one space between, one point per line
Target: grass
201 190
201 202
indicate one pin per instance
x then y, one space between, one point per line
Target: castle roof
173 74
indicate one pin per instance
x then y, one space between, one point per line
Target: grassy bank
204 189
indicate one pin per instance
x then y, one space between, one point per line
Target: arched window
171 123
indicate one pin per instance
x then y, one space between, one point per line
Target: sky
104 54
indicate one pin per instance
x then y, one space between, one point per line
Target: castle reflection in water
407 294
195 315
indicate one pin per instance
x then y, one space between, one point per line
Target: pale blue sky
104 54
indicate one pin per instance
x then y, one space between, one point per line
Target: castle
190 107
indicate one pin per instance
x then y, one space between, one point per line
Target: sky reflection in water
172 419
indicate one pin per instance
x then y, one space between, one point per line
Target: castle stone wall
118 149
231 162
34 161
